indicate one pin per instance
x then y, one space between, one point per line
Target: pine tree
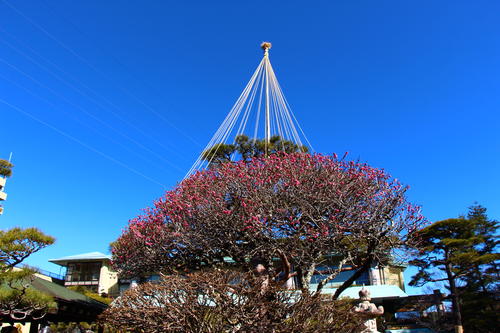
247 149
480 294
463 248
5 168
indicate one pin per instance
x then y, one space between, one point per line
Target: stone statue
369 311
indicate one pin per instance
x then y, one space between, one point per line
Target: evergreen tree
5 168
465 250
480 294
247 149
484 271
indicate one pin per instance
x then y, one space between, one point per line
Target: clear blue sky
412 87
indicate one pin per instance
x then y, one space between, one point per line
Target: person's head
259 266
259 269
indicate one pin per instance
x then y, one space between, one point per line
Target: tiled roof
63 293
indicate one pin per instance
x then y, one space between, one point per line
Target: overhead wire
281 121
30 92
93 116
100 72
143 82
83 110
86 87
71 137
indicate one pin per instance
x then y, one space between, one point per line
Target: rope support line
262 93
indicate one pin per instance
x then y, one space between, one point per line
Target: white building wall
108 280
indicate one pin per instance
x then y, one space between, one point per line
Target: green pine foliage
480 294
465 251
17 298
17 244
5 168
246 149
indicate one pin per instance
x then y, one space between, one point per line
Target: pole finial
266 46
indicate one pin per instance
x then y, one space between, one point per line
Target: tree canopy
247 148
17 299
5 168
306 206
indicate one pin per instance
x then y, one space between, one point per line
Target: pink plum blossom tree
308 207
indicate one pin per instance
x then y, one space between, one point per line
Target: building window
83 272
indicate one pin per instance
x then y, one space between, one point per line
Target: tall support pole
278 119
266 46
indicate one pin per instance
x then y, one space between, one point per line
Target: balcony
83 274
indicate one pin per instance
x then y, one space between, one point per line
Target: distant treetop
245 149
6 168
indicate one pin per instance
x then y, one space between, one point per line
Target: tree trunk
34 327
331 276
353 278
457 315
306 277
